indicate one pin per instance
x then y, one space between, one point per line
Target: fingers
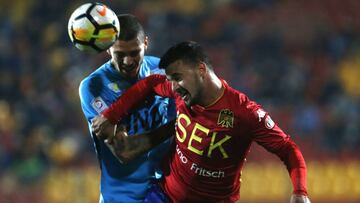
117 139
95 125
121 127
115 129
113 135
101 127
111 138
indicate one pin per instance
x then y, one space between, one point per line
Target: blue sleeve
91 103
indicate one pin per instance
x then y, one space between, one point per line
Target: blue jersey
126 182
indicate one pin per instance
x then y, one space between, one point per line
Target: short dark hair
188 51
130 28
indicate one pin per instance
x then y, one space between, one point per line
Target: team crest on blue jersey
98 104
114 87
226 118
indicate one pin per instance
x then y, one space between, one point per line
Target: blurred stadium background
300 59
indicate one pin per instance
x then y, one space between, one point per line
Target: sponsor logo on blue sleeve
98 104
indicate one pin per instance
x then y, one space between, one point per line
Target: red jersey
212 143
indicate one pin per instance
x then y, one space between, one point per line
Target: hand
102 127
118 139
118 144
299 199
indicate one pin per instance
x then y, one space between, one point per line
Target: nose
127 60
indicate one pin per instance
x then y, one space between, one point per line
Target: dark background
299 59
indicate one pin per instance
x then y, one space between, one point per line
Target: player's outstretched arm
268 134
136 94
126 148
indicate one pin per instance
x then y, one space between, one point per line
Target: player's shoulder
152 63
93 80
240 101
152 60
236 96
89 82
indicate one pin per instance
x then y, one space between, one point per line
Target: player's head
187 67
127 53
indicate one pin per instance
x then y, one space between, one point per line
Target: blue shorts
156 195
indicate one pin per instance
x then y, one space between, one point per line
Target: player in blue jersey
127 182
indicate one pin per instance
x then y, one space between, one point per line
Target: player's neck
213 92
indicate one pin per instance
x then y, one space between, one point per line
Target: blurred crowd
299 59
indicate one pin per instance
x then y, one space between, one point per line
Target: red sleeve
272 138
132 97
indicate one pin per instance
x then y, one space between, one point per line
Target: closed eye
121 54
175 78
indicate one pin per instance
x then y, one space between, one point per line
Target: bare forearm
130 147
116 153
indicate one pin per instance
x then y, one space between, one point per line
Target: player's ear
146 42
202 69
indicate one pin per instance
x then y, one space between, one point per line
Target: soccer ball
93 27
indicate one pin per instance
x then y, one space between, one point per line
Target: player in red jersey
215 127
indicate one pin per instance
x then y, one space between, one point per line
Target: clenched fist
102 127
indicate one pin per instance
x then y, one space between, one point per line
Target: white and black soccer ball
93 27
